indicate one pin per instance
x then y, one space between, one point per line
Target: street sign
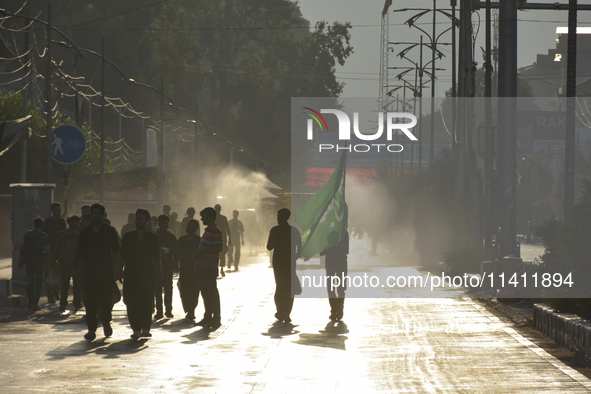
68 144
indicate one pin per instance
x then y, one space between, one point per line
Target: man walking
190 214
206 265
336 266
140 255
98 243
66 250
236 238
286 243
34 255
188 278
167 243
130 225
85 216
53 226
222 223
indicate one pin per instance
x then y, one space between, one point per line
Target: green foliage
12 107
239 61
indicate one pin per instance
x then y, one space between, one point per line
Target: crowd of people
92 255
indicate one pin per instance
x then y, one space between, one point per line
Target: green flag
324 217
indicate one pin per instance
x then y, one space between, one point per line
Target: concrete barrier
567 330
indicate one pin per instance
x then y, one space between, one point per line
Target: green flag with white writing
324 217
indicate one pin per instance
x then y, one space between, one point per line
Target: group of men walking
91 252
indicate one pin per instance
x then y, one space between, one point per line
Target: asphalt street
383 345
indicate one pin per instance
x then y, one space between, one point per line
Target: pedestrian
188 279
174 225
98 244
153 225
66 252
167 242
236 239
336 266
140 257
34 257
85 216
190 214
222 223
130 225
105 220
286 243
206 264
53 226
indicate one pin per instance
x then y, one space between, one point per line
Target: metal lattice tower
384 59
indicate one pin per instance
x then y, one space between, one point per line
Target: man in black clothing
188 279
286 242
130 225
336 265
222 223
34 256
66 250
190 214
237 238
53 226
167 242
140 255
98 243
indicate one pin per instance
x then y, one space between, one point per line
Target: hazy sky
536 32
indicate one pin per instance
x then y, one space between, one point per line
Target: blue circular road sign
67 144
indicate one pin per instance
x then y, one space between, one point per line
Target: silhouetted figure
167 242
34 256
336 265
188 278
236 239
166 210
286 243
206 265
53 226
153 225
85 216
66 252
222 223
140 255
98 243
175 226
190 214
105 220
130 225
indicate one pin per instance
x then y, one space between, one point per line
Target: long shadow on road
279 330
100 347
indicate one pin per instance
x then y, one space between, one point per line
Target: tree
12 107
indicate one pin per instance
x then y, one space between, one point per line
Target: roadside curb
566 329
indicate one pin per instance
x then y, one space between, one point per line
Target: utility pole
421 106
433 50
102 132
25 141
48 96
454 90
465 80
507 128
571 93
489 142
195 145
163 149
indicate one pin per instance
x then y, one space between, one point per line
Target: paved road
402 345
